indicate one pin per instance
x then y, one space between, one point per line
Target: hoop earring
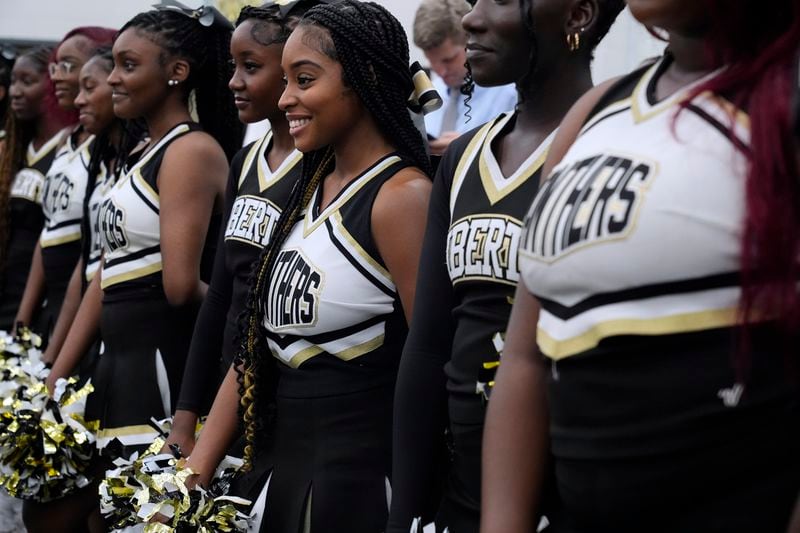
574 41
173 83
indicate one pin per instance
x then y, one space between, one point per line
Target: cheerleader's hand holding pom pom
161 491
182 433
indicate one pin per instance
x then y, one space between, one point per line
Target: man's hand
440 144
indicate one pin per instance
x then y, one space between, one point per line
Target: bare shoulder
407 181
407 185
573 122
195 148
404 196
196 155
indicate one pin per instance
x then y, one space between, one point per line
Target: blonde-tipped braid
249 396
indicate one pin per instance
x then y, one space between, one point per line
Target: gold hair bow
424 99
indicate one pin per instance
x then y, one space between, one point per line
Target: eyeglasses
63 67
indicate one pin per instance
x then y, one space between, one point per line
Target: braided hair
267 15
269 27
206 49
372 48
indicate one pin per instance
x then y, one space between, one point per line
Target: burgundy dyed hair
758 42
99 37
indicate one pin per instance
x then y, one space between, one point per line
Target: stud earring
172 83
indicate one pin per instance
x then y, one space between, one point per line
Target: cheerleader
261 178
332 292
33 132
660 263
64 188
157 222
113 139
483 187
10 508
71 513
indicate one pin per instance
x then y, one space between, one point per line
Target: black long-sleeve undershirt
208 357
420 409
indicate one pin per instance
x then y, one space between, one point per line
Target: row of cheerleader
583 318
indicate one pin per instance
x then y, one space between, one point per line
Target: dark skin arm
218 433
516 435
403 197
201 364
34 290
794 524
184 423
83 331
191 183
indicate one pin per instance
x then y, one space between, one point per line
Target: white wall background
623 49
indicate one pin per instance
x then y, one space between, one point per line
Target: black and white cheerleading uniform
63 200
465 289
146 339
25 226
254 199
633 249
335 323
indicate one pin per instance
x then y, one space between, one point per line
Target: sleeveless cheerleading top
129 220
332 304
632 247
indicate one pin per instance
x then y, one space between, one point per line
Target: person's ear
178 71
581 19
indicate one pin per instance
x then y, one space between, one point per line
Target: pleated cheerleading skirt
138 376
329 466
15 272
